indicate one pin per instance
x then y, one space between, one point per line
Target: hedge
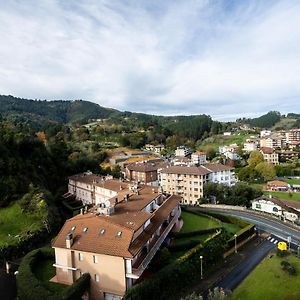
30 288
23 246
184 245
194 233
228 219
172 280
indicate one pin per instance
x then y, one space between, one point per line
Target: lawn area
231 228
44 271
219 140
269 282
284 195
292 181
14 223
192 222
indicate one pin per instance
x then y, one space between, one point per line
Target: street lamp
235 248
201 267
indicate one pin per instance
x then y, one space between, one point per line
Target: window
80 256
119 234
96 277
95 259
258 206
275 209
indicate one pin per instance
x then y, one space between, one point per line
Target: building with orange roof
116 239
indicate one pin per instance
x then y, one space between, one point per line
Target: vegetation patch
15 225
270 281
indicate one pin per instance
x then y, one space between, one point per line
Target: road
278 229
239 273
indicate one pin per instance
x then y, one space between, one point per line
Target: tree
255 158
267 171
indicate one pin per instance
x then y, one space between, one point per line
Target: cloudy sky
225 58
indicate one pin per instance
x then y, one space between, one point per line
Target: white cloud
176 57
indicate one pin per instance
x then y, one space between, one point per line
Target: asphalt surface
8 288
278 229
240 272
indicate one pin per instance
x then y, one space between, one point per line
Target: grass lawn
14 222
231 228
292 181
269 282
44 271
283 195
219 140
193 222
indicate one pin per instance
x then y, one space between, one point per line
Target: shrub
30 288
289 268
281 253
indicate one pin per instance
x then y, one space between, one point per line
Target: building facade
198 158
270 156
115 240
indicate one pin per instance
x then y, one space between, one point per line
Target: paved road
231 281
278 229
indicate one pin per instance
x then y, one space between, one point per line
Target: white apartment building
250 146
230 148
219 173
182 151
264 133
198 158
270 156
292 135
231 155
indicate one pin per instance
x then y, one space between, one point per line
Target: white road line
268 238
275 242
272 240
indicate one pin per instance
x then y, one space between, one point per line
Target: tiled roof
192 170
267 150
277 183
128 217
216 167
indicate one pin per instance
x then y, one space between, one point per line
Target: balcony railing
137 272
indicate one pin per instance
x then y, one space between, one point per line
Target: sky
228 59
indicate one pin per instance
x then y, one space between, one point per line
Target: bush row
242 234
30 288
172 280
24 245
194 233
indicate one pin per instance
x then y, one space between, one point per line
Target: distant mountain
51 111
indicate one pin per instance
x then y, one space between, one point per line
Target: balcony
143 262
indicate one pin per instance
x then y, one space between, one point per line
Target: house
285 209
182 151
285 155
275 140
155 148
115 240
181 161
250 145
277 186
228 133
270 156
144 172
264 133
232 155
198 158
230 148
292 135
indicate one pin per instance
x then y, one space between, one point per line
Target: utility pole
235 246
201 266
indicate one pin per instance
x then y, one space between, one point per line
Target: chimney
69 240
153 191
126 197
81 211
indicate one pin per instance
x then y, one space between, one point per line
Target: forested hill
38 112
274 120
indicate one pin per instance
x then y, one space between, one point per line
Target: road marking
272 240
275 242
268 238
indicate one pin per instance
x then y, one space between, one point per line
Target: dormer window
119 234
73 228
85 229
102 231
